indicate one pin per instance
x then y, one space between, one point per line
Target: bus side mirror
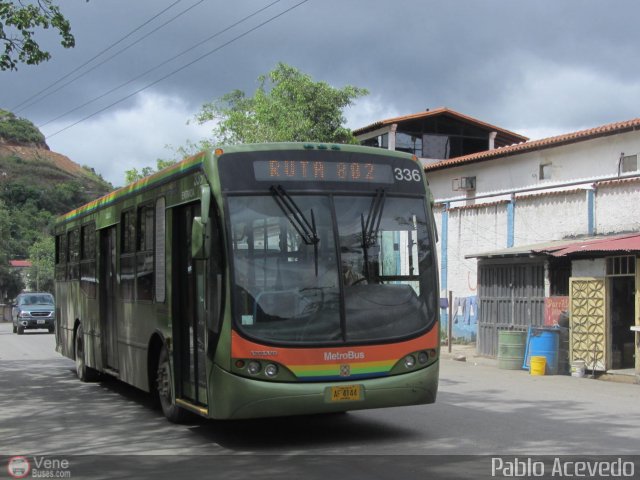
199 244
205 202
198 240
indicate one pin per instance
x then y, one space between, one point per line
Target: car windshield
290 265
36 299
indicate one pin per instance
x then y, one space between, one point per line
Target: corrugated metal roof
629 243
582 135
623 243
520 250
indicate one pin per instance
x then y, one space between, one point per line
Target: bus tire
166 389
84 373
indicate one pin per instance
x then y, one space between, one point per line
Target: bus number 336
407 175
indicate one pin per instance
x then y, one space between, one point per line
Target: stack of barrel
541 350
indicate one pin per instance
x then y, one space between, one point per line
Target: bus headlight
253 368
271 370
423 358
409 361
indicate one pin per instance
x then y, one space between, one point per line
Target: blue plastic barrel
544 342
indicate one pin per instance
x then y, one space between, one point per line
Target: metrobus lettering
350 355
263 353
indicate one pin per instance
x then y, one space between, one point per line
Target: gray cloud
533 67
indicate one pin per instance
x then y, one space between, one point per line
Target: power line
159 65
179 69
17 107
118 52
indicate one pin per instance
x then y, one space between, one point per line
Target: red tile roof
579 136
19 263
550 193
617 181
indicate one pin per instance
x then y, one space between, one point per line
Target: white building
503 212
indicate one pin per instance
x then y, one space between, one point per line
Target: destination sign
322 171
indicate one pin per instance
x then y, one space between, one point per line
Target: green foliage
288 106
42 256
10 281
18 23
133 175
34 189
28 224
90 171
19 130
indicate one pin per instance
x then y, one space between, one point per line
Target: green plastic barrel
511 346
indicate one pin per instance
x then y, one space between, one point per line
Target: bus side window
144 253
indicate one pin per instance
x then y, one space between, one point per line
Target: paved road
45 410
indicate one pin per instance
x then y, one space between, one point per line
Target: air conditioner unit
467 183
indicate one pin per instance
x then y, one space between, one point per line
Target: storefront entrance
621 308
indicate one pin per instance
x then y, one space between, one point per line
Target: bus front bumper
236 397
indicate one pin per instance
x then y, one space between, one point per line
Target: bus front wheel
84 373
166 389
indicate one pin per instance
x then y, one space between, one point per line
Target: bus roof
195 161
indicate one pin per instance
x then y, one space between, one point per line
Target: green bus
256 281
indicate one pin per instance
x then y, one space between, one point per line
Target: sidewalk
467 353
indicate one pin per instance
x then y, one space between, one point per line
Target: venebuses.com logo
20 466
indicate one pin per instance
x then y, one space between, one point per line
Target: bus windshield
291 263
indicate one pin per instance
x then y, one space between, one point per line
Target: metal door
588 337
510 297
188 310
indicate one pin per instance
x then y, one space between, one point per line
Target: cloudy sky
538 68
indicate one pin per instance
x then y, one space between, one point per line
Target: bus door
189 327
107 293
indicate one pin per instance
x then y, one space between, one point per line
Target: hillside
29 170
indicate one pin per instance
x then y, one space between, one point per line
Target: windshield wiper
371 226
305 228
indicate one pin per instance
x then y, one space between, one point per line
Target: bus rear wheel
166 390
84 373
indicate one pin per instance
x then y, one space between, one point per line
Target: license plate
41 322
345 393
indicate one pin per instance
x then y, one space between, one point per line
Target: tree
10 281
41 274
133 175
288 106
17 27
19 130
